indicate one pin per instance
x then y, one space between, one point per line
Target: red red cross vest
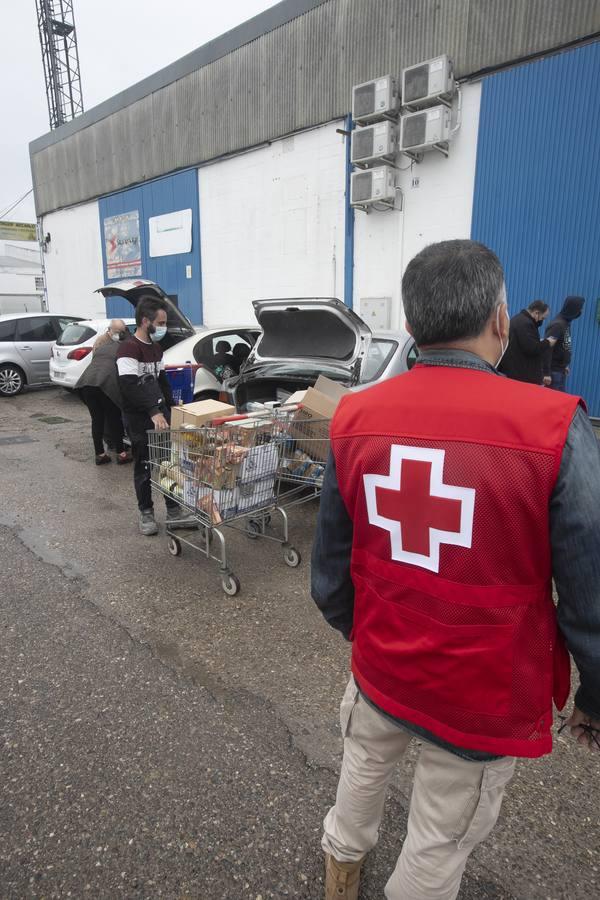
447 474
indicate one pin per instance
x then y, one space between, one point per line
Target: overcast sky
120 42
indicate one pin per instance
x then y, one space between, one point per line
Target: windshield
377 360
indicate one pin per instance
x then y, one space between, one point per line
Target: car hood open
309 330
136 288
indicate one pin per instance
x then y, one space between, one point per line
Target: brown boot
341 879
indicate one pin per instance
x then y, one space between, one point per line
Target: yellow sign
17 231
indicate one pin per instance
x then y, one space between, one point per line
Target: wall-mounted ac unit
375 100
373 186
373 143
424 84
424 130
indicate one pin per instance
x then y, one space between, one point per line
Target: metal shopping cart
227 474
304 452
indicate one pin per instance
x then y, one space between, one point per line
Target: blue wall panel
537 192
155 198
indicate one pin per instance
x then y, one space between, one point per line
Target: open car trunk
301 339
179 326
312 332
261 387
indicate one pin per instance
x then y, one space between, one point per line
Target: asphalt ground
161 739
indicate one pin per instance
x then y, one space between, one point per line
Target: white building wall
74 261
436 207
272 224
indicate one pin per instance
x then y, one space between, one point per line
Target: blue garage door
179 275
537 192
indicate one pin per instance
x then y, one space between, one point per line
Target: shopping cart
227 474
304 452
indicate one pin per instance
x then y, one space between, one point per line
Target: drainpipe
348 224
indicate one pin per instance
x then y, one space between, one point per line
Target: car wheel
12 380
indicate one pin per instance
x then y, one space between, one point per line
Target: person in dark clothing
524 357
147 402
557 363
99 390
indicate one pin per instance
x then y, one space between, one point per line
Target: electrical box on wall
375 100
376 312
372 186
424 130
428 82
376 142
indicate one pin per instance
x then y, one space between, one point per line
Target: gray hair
450 290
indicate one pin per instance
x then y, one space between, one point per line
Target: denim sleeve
575 537
331 584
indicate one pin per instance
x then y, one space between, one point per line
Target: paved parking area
162 739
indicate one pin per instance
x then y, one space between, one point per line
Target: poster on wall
171 234
122 241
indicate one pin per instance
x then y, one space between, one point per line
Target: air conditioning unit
373 143
375 100
373 186
424 130
424 84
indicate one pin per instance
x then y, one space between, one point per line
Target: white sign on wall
171 234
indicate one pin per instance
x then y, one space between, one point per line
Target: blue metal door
537 192
179 275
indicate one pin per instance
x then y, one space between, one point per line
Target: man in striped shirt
147 401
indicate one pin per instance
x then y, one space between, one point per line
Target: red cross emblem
417 508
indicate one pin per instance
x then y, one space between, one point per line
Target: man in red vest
452 498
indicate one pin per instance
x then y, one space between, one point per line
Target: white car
216 353
72 352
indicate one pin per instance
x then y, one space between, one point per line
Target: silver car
26 340
307 337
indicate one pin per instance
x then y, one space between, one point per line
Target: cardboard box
200 413
317 403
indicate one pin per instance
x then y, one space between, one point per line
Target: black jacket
560 356
524 357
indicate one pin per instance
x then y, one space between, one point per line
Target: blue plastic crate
181 379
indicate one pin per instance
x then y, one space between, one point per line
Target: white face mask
503 348
159 332
115 337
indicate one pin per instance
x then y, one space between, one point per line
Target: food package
248 432
256 494
220 468
208 505
187 445
300 465
260 462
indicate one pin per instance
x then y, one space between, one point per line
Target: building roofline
272 18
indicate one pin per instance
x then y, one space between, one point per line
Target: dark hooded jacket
559 357
524 355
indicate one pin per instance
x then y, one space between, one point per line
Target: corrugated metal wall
165 195
537 192
298 75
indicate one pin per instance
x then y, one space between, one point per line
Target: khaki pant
454 805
